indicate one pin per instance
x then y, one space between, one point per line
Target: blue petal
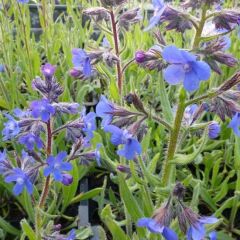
47 171
208 220
143 222
61 156
213 235
172 54
117 134
130 149
18 188
189 233
51 160
189 57
57 175
174 74
153 22
66 166
198 232
234 124
87 68
169 234
155 227
29 186
191 81
11 178
45 116
202 69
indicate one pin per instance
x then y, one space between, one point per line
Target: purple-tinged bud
110 59
176 20
100 13
214 130
179 191
123 169
130 17
136 101
140 56
233 81
64 107
57 227
225 58
76 73
227 19
196 4
48 70
112 3
67 179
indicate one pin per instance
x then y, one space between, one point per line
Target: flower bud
67 179
213 130
48 70
140 56
130 17
100 13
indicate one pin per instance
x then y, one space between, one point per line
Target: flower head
184 67
89 121
82 61
104 109
213 130
159 8
197 229
71 235
235 124
11 128
22 181
155 227
56 166
131 146
23 1
30 140
43 109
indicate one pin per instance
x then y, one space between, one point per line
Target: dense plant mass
139 97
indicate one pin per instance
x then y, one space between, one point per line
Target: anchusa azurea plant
41 162
157 128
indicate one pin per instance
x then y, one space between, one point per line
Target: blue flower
213 130
184 67
29 140
22 181
89 121
105 43
2 68
213 235
104 109
189 114
72 235
235 124
23 1
11 128
42 109
56 166
159 8
131 147
3 158
81 60
197 231
155 227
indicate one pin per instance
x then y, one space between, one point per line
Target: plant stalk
117 52
168 171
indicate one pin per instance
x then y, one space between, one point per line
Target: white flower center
20 180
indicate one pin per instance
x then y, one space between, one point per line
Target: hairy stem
117 52
168 170
199 30
47 181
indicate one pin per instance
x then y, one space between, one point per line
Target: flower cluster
31 125
190 222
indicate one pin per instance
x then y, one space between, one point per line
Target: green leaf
27 230
8 227
84 196
116 231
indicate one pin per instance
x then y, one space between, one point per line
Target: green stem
46 184
199 30
235 202
117 52
168 171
